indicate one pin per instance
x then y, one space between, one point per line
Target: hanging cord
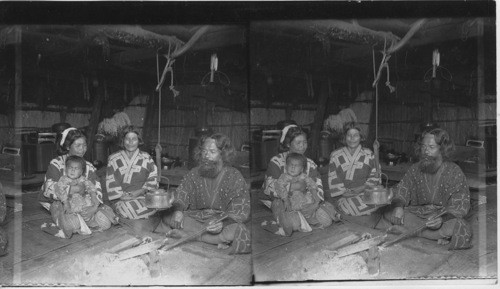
376 96
375 143
158 148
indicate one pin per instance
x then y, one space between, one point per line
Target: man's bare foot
222 246
443 241
397 230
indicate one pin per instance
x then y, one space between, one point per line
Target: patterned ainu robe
49 200
451 192
55 171
347 171
276 167
125 174
204 199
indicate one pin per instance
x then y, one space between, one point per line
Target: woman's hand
127 196
214 227
132 194
137 193
349 193
88 212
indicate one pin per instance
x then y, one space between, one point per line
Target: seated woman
294 140
72 142
129 175
351 171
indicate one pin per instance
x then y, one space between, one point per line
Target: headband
285 131
65 133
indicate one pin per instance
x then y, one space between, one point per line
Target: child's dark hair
298 157
77 159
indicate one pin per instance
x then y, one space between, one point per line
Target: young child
299 193
76 193
300 190
73 189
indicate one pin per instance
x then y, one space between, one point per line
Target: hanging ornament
213 66
435 62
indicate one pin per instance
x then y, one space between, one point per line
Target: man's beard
430 165
209 169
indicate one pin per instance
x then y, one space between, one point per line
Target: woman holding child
294 211
57 187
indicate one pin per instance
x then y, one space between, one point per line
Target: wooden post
148 119
481 135
18 78
94 122
318 120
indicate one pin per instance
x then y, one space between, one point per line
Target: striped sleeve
373 179
52 176
314 174
335 176
113 179
92 177
152 180
272 174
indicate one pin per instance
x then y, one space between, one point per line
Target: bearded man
209 192
431 186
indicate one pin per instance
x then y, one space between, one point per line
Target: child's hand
311 184
64 181
88 212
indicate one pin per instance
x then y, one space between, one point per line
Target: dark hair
352 125
298 157
123 133
291 134
77 159
442 138
222 142
70 139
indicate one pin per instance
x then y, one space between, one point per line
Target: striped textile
348 171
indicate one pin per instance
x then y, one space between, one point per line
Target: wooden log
372 259
140 250
125 244
361 246
348 238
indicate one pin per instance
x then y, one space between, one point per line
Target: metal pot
377 196
159 199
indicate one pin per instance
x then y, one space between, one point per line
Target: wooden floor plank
415 257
